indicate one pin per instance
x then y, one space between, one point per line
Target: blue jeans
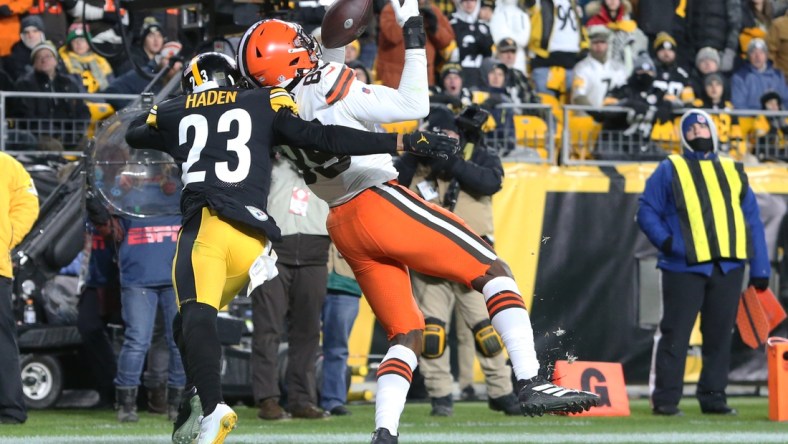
139 314
540 75
339 314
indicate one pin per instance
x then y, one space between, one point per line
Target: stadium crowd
503 56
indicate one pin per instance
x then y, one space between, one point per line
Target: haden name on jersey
210 97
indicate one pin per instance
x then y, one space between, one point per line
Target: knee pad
434 339
488 341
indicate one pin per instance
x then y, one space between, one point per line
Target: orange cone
777 358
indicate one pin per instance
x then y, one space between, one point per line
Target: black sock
203 352
177 335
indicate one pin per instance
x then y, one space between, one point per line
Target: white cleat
215 427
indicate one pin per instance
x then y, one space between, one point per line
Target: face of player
714 91
496 78
696 131
468 5
507 58
453 84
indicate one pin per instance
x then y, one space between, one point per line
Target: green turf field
471 423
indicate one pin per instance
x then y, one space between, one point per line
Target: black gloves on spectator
667 245
439 165
97 213
430 20
5 11
760 284
423 143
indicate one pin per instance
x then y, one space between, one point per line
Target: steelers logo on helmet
274 52
208 71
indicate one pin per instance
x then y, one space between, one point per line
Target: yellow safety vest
708 196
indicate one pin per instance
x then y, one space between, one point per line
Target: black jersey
222 140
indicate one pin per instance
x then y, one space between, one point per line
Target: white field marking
455 438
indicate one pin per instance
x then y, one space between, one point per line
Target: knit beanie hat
32 20
664 41
707 53
46 45
77 31
149 24
450 68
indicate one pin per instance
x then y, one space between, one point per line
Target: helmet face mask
273 52
208 71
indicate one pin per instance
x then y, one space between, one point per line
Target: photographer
463 184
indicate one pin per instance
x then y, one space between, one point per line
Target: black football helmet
209 70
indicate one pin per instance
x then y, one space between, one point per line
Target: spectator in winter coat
133 83
714 23
756 20
707 61
18 62
474 42
509 21
755 78
391 47
81 61
10 10
627 41
777 40
46 77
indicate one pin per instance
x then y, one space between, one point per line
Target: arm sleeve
23 208
759 262
381 104
140 134
289 129
652 205
334 54
483 175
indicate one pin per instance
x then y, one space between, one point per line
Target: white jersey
595 80
332 95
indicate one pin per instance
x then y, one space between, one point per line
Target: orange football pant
387 229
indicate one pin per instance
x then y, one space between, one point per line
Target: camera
471 120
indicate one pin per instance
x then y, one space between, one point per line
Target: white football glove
408 9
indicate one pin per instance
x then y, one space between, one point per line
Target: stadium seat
666 135
401 127
583 132
531 132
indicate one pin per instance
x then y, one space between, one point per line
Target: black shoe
718 409
538 396
340 410
186 427
506 403
10 420
667 410
468 394
443 406
383 436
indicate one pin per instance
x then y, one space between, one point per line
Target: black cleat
506 403
383 436
538 396
186 427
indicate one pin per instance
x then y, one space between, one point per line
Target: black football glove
423 143
760 284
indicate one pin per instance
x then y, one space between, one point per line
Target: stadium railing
743 135
531 136
30 135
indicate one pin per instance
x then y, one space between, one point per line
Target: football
345 21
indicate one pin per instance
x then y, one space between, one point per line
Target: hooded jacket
18 207
658 217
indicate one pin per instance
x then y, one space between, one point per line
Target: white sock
510 319
394 377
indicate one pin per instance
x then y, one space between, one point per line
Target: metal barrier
742 134
529 135
48 135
